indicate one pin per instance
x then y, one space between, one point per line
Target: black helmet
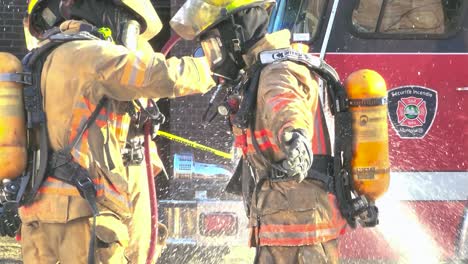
42 16
113 14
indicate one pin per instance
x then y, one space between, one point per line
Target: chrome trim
177 202
462 246
235 227
428 186
182 241
331 21
183 230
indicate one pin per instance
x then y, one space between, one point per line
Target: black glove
9 219
298 151
145 115
156 124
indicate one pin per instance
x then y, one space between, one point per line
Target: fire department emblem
412 110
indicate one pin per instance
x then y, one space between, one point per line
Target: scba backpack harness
42 160
333 171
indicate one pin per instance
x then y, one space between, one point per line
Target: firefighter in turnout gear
279 125
92 61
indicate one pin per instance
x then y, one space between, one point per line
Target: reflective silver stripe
262 139
183 241
278 101
99 187
76 151
112 193
57 184
304 234
135 69
102 117
148 72
81 105
426 186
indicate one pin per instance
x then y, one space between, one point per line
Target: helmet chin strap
232 41
236 41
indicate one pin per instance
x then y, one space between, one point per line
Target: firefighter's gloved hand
298 151
9 220
156 124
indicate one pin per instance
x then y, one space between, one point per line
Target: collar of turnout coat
73 26
276 40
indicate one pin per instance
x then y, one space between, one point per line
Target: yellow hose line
194 145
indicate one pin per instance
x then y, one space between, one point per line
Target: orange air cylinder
367 93
12 121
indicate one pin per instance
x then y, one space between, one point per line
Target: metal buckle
84 183
133 153
88 191
8 191
278 176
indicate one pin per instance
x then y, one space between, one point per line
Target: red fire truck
420 47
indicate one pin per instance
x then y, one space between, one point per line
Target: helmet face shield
196 16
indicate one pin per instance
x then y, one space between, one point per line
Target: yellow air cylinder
12 123
367 92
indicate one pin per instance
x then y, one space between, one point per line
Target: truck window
407 17
301 17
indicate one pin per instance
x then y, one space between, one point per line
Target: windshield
407 17
301 17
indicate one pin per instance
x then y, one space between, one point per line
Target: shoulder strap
61 161
339 100
35 116
343 145
248 103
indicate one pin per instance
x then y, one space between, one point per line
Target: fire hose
152 193
149 170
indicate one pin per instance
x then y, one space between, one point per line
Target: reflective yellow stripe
103 190
122 124
80 114
54 186
127 72
134 71
293 241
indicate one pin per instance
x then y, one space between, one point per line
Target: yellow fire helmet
145 9
196 16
